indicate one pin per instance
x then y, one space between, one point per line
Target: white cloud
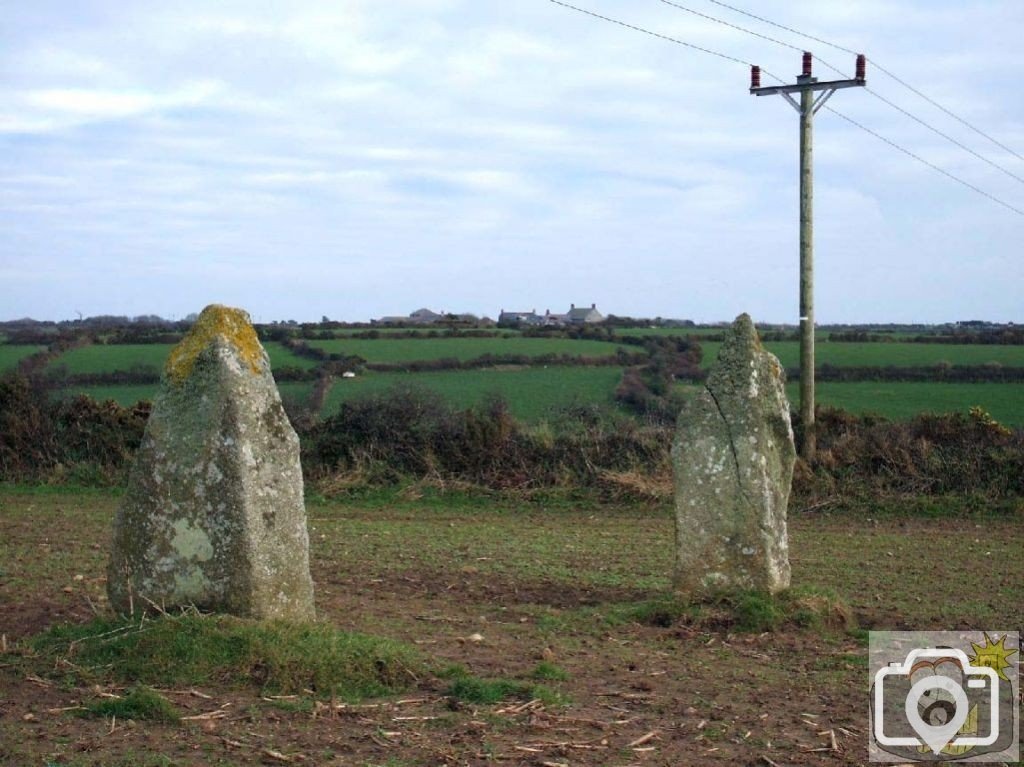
356 141
55 108
91 103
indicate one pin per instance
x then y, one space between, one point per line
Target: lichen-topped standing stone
733 457
214 514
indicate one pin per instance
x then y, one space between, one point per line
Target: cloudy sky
357 158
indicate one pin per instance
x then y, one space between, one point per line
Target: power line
850 120
930 127
936 104
877 95
783 27
729 24
920 159
654 34
877 66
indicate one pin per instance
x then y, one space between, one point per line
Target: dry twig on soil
643 739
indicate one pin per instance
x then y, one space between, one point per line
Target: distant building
573 317
425 317
520 318
550 318
418 317
583 316
429 317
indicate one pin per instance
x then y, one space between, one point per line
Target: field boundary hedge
991 373
1001 337
412 434
150 375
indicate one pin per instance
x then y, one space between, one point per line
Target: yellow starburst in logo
993 655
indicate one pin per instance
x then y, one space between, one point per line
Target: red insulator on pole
807 64
862 65
755 77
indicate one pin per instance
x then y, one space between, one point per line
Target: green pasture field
413 349
281 356
900 401
532 393
10 356
298 391
123 394
106 358
886 354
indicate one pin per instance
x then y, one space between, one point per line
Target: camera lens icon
937 706
943 716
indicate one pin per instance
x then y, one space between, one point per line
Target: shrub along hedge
44 439
412 434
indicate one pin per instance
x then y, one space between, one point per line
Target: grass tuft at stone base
751 612
194 649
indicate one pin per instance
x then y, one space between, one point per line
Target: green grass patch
751 612
281 356
473 689
901 401
895 354
123 394
399 350
532 393
294 704
298 391
661 611
140 703
191 649
547 671
106 358
756 612
10 356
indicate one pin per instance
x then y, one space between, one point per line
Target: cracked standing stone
733 458
214 515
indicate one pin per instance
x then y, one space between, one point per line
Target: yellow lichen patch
230 324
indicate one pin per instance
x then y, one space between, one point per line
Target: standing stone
214 514
733 458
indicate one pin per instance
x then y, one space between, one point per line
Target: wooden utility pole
808 106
